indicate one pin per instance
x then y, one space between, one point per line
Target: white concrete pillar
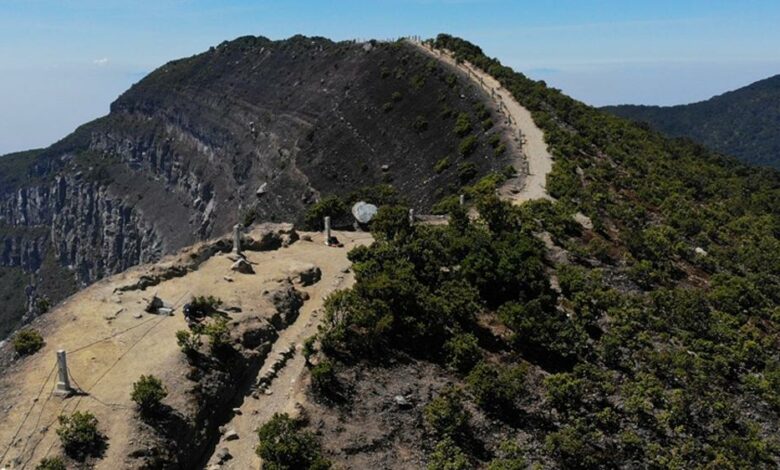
462 200
63 382
411 216
237 239
327 230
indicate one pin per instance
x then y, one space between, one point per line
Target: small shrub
451 80
446 415
417 81
462 125
510 457
498 151
397 96
324 381
467 145
387 107
420 124
482 111
442 165
496 387
51 463
285 446
494 140
202 306
79 434
332 206
446 112
148 392
466 172
448 456
462 352
27 341
218 334
487 124
189 342
43 305
384 72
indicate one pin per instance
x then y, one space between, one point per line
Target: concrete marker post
63 381
411 216
237 239
327 230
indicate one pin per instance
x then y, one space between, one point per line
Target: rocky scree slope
183 155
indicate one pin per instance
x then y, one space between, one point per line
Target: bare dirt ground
287 390
111 341
534 161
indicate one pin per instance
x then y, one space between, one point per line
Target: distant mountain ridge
744 123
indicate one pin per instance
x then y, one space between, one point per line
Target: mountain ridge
743 123
183 152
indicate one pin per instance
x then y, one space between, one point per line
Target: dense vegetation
659 343
742 123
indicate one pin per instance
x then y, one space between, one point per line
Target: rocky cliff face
183 153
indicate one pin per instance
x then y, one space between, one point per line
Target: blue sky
63 61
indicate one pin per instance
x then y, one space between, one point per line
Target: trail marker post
237 239
63 382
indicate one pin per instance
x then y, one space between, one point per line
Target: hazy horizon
62 63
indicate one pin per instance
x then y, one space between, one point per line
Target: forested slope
744 123
649 341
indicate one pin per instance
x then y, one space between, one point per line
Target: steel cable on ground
79 349
27 414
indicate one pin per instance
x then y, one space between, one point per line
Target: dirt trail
111 341
534 163
287 389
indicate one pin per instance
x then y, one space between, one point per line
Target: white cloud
101 62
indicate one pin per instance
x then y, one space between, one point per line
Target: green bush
51 463
189 342
446 416
467 145
218 333
462 352
284 445
332 206
387 107
202 306
487 124
397 96
27 341
79 434
462 125
417 81
448 456
324 381
510 457
466 172
442 165
148 392
494 140
497 387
